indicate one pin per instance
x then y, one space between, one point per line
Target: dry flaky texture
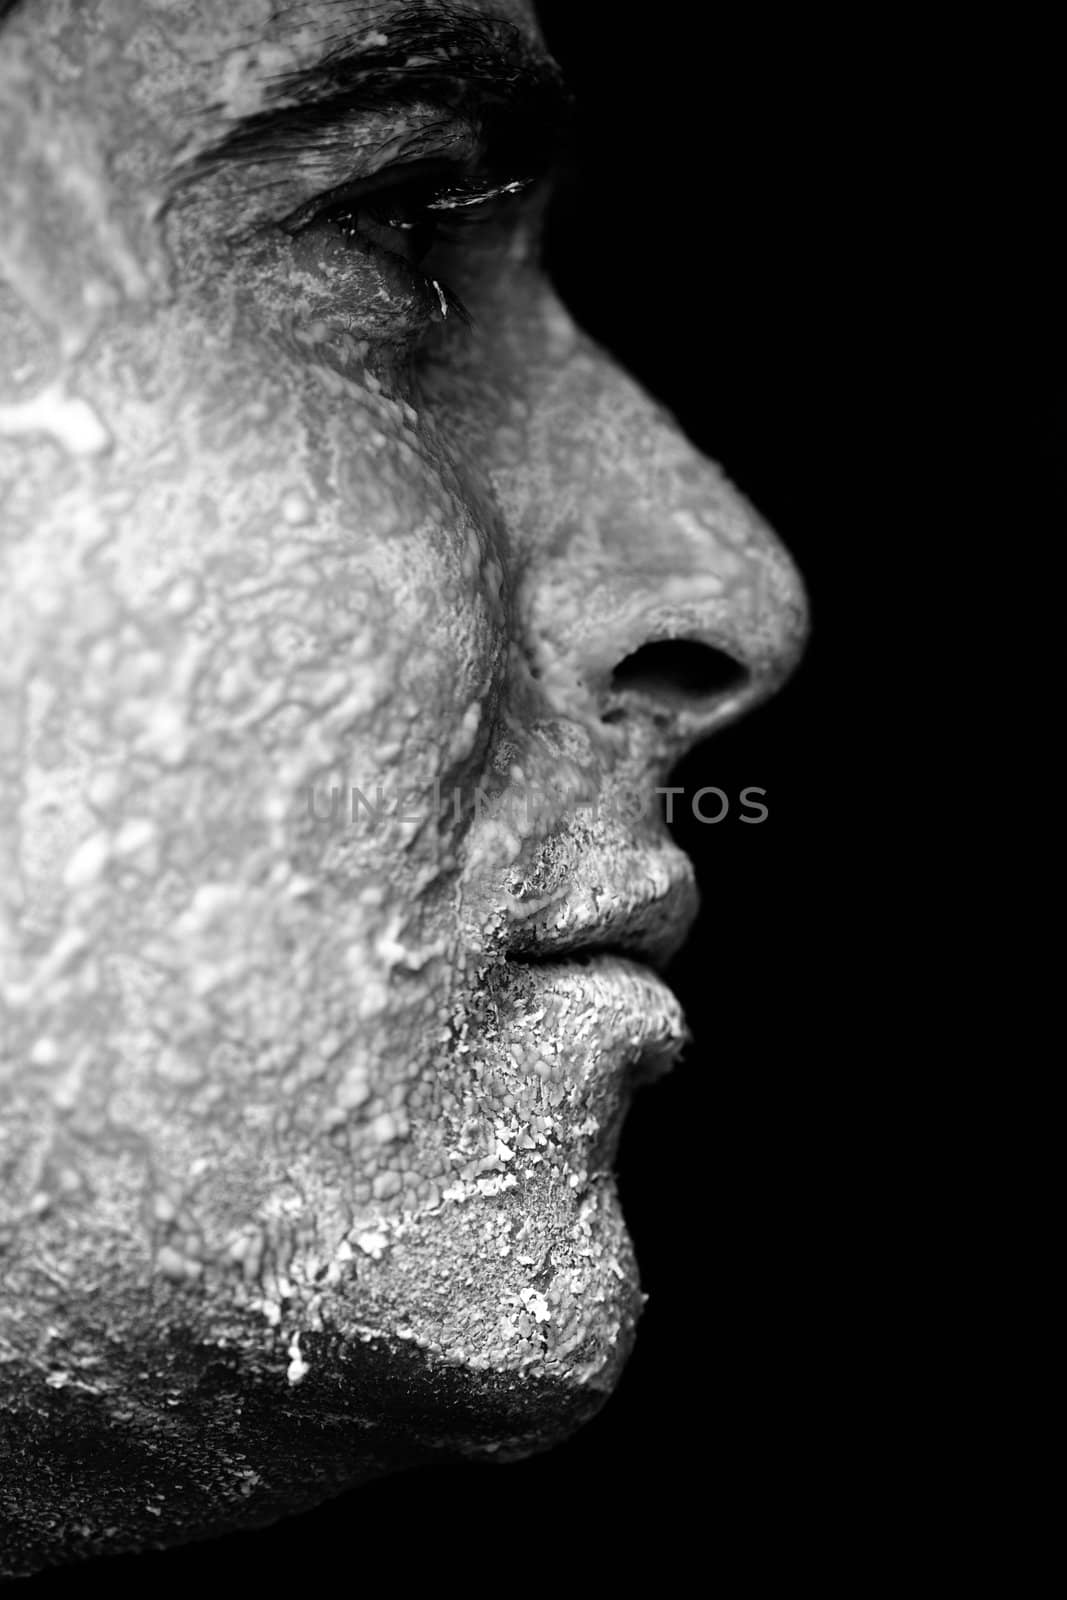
304 1168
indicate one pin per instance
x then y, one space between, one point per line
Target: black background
712 241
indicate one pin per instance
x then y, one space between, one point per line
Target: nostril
679 672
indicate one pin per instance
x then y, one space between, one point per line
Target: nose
655 596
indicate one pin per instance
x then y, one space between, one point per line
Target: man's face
324 536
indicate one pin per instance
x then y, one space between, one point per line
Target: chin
522 1305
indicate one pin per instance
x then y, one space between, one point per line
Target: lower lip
591 1030
608 1004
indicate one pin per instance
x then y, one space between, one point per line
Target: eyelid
462 185
355 191
458 200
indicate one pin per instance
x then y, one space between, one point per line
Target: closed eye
415 220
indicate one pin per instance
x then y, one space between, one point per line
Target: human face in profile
355 607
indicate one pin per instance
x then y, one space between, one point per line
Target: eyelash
425 212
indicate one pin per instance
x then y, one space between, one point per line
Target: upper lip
641 905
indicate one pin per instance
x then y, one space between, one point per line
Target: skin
304 1164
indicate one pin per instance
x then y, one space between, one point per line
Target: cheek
277 598
297 530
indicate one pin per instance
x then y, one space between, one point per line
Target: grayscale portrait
356 609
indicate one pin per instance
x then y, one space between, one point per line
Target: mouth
585 1006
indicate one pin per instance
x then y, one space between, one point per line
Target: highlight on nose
678 674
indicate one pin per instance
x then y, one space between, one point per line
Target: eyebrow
474 69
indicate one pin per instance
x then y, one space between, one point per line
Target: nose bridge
641 547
